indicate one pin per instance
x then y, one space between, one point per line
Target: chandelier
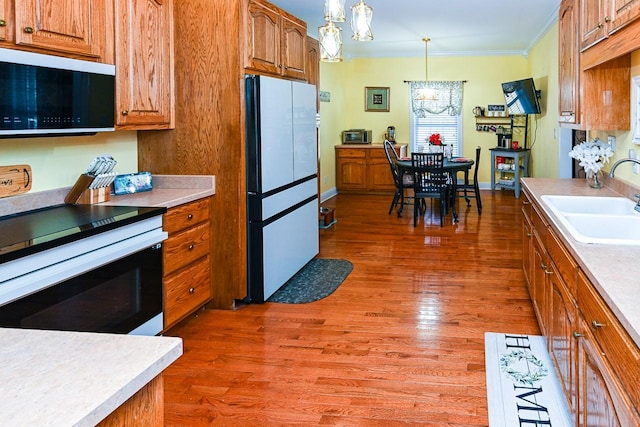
330 35
426 93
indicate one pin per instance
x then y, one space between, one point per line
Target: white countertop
614 270
55 378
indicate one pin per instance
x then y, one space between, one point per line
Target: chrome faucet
615 165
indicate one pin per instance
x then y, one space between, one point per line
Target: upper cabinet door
144 64
294 47
594 18
263 38
624 11
568 67
70 26
5 19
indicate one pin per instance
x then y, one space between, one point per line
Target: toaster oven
356 136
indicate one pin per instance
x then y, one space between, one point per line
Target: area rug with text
316 280
522 386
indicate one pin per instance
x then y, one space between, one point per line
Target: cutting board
15 179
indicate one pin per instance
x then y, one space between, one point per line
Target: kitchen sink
590 205
603 220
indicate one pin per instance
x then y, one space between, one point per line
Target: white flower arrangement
592 155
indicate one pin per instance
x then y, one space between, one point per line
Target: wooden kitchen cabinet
596 98
596 360
568 63
275 41
186 260
144 65
600 19
5 20
313 62
74 28
363 169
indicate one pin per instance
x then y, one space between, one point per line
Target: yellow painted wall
346 82
58 161
543 67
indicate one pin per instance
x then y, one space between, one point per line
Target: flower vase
594 179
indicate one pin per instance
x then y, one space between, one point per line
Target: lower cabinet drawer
185 247
186 290
615 344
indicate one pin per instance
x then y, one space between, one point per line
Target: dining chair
430 181
471 186
401 181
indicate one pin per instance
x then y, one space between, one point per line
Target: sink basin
603 220
590 205
604 229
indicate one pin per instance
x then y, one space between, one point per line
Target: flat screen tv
521 97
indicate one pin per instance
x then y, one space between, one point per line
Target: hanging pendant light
330 38
361 15
334 11
426 93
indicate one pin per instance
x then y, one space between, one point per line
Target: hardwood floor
400 342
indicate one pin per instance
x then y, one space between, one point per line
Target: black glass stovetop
35 231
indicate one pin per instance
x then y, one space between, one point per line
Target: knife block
95 195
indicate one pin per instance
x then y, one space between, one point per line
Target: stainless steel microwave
51 95
356 136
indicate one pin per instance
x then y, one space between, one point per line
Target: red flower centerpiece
435 139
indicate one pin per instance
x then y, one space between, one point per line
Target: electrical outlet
611 140
633 155
325 179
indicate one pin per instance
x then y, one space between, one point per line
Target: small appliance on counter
391 134
356 136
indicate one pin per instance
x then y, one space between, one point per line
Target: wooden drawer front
526 206
186 215
564 262
539 225
186 290
616 345
185 247
351 152
377 154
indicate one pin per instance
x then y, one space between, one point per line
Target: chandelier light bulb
330 38
361 15
334 11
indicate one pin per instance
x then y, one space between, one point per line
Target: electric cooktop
30 232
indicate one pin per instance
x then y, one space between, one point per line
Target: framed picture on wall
376 99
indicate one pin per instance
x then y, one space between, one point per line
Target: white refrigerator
282 181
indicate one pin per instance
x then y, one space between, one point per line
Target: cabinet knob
190 217
544 268
28 30
607 19
576 334
192 290
125 113
600 25
191 246
3 23
596 324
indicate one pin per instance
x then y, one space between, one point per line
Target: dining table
451 165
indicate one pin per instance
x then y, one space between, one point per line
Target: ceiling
455 27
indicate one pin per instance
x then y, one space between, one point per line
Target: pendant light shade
426 94
330 38
361 15
334 11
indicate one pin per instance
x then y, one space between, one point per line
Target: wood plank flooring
399 343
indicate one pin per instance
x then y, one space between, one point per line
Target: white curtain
448 94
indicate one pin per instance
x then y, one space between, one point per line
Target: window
449 127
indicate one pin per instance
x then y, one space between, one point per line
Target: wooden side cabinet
568 64
363 169
186 260
275 41
144 65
